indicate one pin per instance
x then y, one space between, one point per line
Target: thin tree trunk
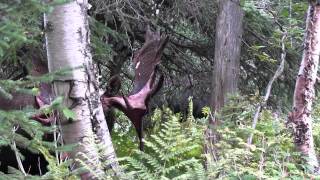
300 118
67 40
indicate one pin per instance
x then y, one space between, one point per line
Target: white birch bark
67 43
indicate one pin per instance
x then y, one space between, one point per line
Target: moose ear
149 34
158 34
115 83
163 42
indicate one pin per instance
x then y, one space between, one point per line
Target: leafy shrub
272 154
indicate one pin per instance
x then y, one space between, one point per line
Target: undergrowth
176 150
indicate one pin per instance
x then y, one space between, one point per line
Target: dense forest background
251 137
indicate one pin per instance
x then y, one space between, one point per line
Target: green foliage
190 30
176 151
21 31
271 156
99 33
316 123
16 127
265 23
58 170
30 84
124 136
87 162
173 153
11 121
17 28
20 25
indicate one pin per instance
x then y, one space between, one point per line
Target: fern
57 170
166 155
87 162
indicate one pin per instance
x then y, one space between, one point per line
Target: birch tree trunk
300 118
67 41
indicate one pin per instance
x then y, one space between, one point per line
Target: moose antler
145 62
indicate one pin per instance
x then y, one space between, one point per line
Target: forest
159 89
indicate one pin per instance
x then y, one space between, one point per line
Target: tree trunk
67 40
227 52
226 62
300 117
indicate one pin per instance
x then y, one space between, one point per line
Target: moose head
145 61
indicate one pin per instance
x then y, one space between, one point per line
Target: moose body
145 61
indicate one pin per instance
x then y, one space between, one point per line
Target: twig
262 160
269 86
39 166
14 147
56 136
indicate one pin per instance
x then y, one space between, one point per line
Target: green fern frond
181 164
151 160
179 151
140 169
167 153
87 162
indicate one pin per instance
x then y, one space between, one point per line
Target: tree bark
227 52
300 118
226 63
67 41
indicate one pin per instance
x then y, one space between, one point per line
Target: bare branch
269 86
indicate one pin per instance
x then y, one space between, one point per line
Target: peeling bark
300 118
67 41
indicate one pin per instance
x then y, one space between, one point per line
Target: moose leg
140 135
139 129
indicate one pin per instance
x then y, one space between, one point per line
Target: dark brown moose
145 61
